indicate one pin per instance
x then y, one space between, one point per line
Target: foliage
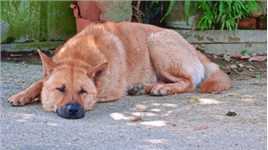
223 14
171 4
154 12
187 9
214 14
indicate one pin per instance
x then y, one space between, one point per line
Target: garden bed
227 42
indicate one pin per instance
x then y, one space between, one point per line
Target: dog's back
141 52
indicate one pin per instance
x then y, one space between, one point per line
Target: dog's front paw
19 99
137 89
160 90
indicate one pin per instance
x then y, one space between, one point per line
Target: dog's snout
73 108
71 111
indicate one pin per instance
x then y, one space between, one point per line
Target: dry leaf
227 57
257 58
135 118
140 107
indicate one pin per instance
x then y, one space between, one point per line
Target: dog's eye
61 89
82 91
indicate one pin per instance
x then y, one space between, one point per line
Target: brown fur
106 59
217 82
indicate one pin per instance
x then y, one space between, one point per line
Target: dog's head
69 89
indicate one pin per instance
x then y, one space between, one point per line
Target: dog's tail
215 79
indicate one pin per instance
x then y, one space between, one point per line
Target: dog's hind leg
175 62
174 83
28 95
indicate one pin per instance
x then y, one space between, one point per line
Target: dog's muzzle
71 111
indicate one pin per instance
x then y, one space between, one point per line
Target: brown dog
103 61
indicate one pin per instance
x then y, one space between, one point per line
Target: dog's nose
71 111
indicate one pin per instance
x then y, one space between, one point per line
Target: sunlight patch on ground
207 101
24 117
170 105
118 116
52 124
147 114
21 120
248 98
137 119
156 141
156 104
157 123
137 114
27 116
155 110
167 113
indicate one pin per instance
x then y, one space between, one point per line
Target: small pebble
227 57
241 65
250 69
135 118
231 113
140 108
233 66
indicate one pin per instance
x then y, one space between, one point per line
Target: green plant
187 9
258 76
246 52
221 14
170 6
153 11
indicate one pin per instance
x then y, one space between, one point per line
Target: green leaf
246 52
258 76
187 6
169 9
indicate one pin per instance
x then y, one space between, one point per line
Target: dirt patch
26 57
236 68
239 69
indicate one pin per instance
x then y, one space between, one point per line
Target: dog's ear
96 70
47 63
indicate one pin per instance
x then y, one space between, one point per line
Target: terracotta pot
247 23
262 22
85 12
89 10
81 24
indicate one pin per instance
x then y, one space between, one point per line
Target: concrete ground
185 121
